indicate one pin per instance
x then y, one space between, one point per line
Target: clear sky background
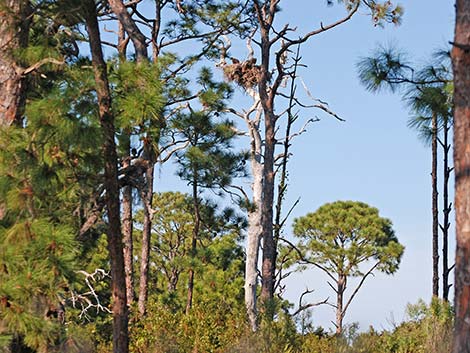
372 157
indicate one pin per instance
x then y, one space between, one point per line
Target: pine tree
340 238
48 167
110 182
428 92
208 162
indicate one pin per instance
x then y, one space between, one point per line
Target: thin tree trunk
461 69
446 211
195 236
14 27
147 196
435 212
118 282
127 230
127 221
282 187
341 287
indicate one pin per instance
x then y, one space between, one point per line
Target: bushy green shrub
219 327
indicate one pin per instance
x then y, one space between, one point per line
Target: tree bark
254 225
127 220
435 211
268 270
195 236
173 280
147 196
118 282
341 287
137 37
461 69
14 28
127 230
446 211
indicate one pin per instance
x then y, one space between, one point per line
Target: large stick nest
246 73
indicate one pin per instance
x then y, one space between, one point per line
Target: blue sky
372 157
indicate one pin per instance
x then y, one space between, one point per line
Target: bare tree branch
303 307
359 286
90 299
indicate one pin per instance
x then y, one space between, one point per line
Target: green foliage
36 262
343 234
381 12
220 327
48 169
425 102
218 261
209 160
211 327
427 90
138 94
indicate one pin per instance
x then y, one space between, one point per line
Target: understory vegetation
221 328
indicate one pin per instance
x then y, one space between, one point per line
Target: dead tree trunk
14 27
435 211
446 211
118 282
461 69
254 219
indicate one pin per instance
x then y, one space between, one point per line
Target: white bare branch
90 299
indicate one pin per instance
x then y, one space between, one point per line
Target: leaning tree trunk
118 282
461 69
435 212
446 211
14 28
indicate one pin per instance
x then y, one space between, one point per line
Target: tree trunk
173 280
446 211
435 212
14 28
137 37
254 229
341 287
195 236
268 271
127 221
269 244
127 229
461 69
147 196
118 282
